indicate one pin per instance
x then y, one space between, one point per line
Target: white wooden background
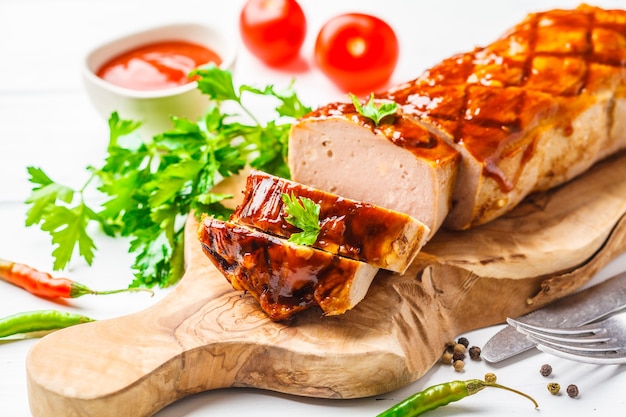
46 120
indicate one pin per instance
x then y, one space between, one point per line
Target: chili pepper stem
78 290
473 386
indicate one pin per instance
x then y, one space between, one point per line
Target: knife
576 309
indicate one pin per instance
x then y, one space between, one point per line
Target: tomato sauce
157 66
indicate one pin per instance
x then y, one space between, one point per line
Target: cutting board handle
136 364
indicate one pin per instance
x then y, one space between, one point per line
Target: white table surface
46 120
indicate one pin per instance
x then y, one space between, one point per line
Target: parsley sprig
303 213
372 111
150 185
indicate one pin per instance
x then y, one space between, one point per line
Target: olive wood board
204 335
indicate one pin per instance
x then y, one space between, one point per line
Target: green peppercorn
554 388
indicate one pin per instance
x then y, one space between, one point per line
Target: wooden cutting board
205 335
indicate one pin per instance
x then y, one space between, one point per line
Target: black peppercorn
463 341
474 353
572 390
458 356
545 370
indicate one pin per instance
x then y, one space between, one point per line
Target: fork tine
600 343
591 335
592 328
608 344
613 357
588 345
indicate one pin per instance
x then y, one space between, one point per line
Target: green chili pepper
443 394
39 320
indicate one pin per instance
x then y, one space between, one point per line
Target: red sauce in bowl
157 66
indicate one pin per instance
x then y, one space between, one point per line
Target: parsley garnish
303 213
149 186
372 111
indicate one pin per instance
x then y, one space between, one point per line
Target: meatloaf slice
361 231
284 277
402 166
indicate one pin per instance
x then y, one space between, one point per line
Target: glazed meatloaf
254 251
478 132
380 237
284 277
471 137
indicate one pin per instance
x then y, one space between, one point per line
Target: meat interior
531 111
348 156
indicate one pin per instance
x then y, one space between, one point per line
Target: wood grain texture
205 335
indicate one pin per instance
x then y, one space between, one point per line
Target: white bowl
154 108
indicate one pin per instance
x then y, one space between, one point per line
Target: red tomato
358 52
273 30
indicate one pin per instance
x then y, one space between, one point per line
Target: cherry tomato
273 30
357 51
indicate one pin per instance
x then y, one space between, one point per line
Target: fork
602 342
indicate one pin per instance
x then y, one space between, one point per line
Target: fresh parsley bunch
151 185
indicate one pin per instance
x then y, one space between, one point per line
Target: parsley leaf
44 195
372 111
63 213
303 213
216 83
149 186
69 228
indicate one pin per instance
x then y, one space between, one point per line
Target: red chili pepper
45 285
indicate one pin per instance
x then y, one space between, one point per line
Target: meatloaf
284 277
360 231
480 131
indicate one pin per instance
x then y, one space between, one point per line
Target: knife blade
576 309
